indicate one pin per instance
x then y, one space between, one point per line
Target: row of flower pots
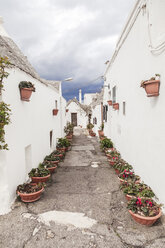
30 192
143 209
115 105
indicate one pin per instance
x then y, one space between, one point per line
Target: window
51 138
123 108
56 106
105 110
95 121
114 94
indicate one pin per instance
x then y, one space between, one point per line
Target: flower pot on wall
67 110
152 87
26 94
116 106
109 102
55 111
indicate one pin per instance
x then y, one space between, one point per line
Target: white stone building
138 127
33 130
77 113
97 111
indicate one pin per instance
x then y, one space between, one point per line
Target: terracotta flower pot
55 111
52 169
62 149
108 155
111 163
109 102
67 110
26 94
125 181
148 221
129 197
116 106
58 155
152 87
117 171
54 162
30 197
101 133
40 179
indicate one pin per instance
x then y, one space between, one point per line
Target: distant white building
88 98
137 128
34 129
77 113
97 111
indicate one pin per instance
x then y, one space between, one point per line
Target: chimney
80 97
2 30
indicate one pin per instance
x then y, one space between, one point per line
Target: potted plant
109 102
151 86
58 154
30 192
116 106
106 144
113 154
121 166
63 144
67 110
55 111
144 211
26 89
51 159
128 176
100 131
132 190
48 165
39 175
68 129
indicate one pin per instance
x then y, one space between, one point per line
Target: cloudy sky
67 38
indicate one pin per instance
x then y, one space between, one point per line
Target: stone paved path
81 208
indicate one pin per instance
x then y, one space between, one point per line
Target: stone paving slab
89 193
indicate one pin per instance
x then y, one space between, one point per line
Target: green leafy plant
90 126
121 166
68 129
106 143
140 190
26 84
45 165
143 207
51 158
128 176
39 172
63 142
4 108
29 187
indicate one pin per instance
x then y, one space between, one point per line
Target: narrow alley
82 207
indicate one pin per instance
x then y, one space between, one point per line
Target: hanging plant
4 108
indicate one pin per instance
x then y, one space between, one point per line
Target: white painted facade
96 113
88 97
139 134
82 117
28 134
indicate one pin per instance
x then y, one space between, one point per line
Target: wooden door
74 119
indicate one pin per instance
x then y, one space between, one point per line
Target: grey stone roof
86 108
17 59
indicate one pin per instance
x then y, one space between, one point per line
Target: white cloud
64 38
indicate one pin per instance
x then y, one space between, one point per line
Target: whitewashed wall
88 98
140 134
28 135
82 118
96 113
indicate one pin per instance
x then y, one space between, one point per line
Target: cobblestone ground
81 207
